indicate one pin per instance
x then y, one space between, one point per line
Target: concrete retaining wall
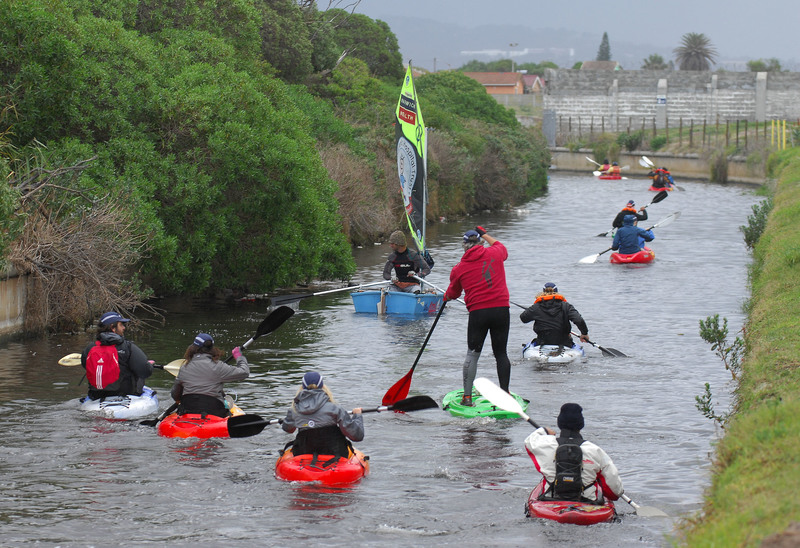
13 296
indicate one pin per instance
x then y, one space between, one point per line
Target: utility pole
513 45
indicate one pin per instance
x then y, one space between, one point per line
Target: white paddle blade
643 163
70 360
591 259
591 160
596 173
649 163
499 397
625 167
644 511
174 367
667 220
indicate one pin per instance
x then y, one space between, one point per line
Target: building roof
530 80
496 78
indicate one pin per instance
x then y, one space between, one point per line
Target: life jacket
660 180
550 297
326 440
568 483
403 264
102 366
631 210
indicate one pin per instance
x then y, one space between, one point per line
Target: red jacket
482 276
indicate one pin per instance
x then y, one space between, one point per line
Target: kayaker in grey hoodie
199 385
324 426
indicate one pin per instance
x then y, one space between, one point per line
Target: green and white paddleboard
482 407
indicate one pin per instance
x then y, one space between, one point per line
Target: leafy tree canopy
695 52
655 62
370 40
604 51
761 65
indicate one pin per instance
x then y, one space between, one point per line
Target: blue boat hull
410 304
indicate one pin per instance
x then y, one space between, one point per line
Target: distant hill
426 42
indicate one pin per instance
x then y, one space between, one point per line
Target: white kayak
552 353
122 407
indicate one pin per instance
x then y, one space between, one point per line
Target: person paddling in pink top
481 276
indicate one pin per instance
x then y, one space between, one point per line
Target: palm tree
695 52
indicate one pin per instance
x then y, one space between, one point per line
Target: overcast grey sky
739 29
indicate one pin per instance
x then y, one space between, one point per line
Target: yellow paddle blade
70 360
174 367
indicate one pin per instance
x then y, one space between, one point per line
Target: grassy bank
757 469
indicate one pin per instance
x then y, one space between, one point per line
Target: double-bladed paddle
243 426
504 400
644 161
399 390
610 352
657 198
273 321
291 298
71 360
663 222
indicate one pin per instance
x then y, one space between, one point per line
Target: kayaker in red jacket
481 276
558 461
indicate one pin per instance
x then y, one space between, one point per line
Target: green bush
657 142
756 223
631 141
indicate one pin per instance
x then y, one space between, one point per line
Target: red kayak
567 511
325 469
610 177
654 189
646 255
194 425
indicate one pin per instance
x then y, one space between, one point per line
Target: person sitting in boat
114 366
630 209
661 179
198 388
551 315
481 275
574 469
630 239
605 167
324 426
614 170
406 263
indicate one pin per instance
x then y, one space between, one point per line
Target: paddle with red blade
243 426
399 390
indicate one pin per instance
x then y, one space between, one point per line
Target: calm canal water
437 480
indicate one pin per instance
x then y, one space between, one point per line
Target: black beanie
571 417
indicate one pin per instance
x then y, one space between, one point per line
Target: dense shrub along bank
249 152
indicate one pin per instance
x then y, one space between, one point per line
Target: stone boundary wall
616 99
13 297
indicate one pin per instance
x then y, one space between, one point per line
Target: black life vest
660 180
404 265
568 484
326 440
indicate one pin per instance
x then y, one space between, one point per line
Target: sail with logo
411 142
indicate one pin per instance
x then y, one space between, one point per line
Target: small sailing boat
411 145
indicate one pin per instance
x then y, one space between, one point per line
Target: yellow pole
783 147
772 133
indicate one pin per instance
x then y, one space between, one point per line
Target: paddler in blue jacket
630 239
324 425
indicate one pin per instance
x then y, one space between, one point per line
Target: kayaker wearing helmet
630 209
573 468
551 315
630 239
405 262
324 426
198 388
114 366
481 276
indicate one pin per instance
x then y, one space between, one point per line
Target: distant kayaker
630 239
481 276
573 468
613 170
198 388
661 179
630 209
551 315
324 426
404 262
605 167
114 366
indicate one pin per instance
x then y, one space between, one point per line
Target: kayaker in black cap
574 469
551 315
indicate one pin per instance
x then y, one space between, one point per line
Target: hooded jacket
599 473
618 220
133 366
551 319
626 240
204 376
313 409
481 275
